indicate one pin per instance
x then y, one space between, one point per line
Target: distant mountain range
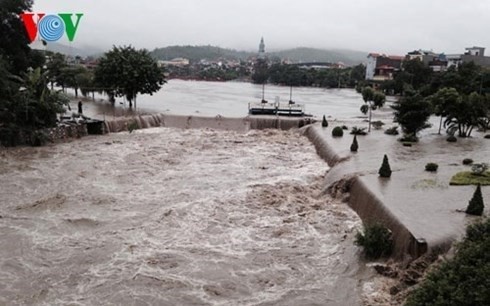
69 50
197 53
297 55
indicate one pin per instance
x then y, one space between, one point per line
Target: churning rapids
174 217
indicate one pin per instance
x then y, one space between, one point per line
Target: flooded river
174 217
231 99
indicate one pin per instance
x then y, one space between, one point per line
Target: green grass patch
468 178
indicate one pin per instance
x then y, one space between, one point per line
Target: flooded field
174 217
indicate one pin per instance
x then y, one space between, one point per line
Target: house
381 67
472 54
436 61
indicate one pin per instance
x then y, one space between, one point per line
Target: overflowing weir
352 179
219 122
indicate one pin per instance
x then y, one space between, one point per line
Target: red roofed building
381 67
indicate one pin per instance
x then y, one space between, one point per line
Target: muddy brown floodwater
174 217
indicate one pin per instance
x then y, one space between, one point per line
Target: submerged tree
373 99
354 146
466 114
412 112
442 101
476 206
125 71
385 170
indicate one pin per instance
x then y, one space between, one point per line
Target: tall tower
262 49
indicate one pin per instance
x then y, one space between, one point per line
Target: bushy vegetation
294 75
324 122
358 131
376 241
377 125
26 102
476 205
354 146
467 161
127 72
479 169
412 112
392 131
385 170
431 167
373 100
463 280
451 138
337 132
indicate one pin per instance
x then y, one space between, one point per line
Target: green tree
385 169
70 76
125 71
261 73
14 43
354 146
466 114
442 101
412 112
417 72
476 206
373 99
462 280
55 66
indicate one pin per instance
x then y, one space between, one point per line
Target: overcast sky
387 26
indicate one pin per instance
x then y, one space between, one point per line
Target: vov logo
50 27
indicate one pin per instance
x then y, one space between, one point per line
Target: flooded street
174 217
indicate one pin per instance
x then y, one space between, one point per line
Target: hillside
349 57
196 53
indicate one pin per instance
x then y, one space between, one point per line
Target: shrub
431 167
487 136
354 146
392 131
452 138
476 206
479 169
358 131
377 124
409 138
467 161
324 122
38 138
462 280
385 170
376 240
337 132
344 127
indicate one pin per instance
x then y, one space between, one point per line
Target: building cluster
382 67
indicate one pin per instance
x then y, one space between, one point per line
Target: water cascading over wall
222 123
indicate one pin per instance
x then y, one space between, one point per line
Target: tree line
294 75
460 96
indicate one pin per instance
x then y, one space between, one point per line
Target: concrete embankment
421 208
345 178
